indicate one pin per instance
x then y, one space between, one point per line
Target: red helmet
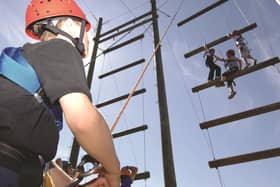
39 10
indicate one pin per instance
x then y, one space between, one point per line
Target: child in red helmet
28 132
241 44
128 174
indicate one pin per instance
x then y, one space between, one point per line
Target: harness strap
14 67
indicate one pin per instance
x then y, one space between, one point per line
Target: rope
90 11
125 117
163 4
145 69
208 137
255 34
126 13
129 10
99 86
124 4
241 12
143 119
210 143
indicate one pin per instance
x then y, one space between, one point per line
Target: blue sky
190 147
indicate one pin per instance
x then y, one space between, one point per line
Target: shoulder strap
14 67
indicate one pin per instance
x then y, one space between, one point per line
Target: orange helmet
39 10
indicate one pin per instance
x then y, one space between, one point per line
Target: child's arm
239 61
206 50
220 59
205 47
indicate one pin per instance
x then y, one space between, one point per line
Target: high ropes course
125 29
152 17
247 157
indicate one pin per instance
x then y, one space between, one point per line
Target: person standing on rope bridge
232 65
242 45
210 60
30 123
128 174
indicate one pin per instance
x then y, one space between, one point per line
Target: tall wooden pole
168 163
75 146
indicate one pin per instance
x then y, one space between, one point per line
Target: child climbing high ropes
31 111
241 44
210 60
232 65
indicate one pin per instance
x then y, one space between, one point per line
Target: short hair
212 50
230 52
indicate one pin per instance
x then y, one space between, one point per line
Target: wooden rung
126 30
139 37
218 41
243 72
201 12
142 176
245 158
138 92
126 24
130 131
122 68
241 115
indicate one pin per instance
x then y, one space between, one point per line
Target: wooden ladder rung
245 158
218 41
241 115
243 72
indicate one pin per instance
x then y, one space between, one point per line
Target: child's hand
98 182
205 46
112 178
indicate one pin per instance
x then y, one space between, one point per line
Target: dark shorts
19 170
8 178
126 181
228 73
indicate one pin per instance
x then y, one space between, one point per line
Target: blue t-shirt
126 181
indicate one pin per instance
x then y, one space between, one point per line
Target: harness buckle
38 97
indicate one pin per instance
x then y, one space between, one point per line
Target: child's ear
70 27
68 22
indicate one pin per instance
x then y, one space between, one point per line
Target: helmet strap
78 42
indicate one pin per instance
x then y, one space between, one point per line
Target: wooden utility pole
75 146
168 163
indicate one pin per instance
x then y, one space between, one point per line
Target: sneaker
217 78
232 95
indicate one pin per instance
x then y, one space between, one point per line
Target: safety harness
15 68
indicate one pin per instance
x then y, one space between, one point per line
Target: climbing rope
125 116
126 12
90 11
140 77
255 33
187 88
211 144
99 86
143 118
